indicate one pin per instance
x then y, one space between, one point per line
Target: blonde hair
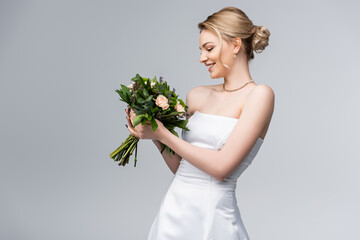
230 23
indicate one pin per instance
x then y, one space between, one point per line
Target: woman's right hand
144 131
130 114
173 165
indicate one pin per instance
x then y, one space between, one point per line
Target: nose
203 57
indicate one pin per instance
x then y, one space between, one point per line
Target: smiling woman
238 31
228 123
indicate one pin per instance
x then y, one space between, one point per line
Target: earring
234 55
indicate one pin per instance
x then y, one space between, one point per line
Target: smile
211 66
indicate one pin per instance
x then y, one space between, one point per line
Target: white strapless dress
197 206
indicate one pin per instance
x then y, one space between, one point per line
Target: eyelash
209 49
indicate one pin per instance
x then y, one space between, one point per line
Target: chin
215 76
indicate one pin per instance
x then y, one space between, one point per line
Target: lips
211 66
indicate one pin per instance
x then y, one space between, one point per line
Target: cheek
226 56
214 55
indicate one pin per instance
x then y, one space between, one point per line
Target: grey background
60 62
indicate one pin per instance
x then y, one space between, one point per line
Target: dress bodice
211 131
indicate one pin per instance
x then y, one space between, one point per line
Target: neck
238 75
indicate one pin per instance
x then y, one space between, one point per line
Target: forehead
207 36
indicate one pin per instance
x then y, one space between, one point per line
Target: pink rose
179 108
162 102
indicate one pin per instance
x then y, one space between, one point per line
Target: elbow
220 172
224 169
220 178
220 175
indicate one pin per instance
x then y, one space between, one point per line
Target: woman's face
210 54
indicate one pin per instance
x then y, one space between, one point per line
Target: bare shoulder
195 97
200 91
195 91
261 102
262 92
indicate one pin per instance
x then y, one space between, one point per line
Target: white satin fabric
196 205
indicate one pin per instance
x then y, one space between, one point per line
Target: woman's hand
143 131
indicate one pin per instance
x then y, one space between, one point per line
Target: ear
237 45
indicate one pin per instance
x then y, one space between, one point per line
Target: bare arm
172 161
255 116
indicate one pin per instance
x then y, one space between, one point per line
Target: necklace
233 90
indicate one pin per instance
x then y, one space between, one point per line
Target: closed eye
208 49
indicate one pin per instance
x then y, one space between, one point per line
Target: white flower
152 84
131 86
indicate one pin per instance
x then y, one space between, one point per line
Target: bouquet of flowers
149 99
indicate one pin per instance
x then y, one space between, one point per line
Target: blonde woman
228 123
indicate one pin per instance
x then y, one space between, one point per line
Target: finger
129 122
132 131
127 111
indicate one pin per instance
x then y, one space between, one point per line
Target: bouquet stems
123 153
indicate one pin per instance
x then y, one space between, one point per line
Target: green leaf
125 89
137 120
154 124
182 124
171 114
149 98
141 80
169 125
174 132
182 102
145 93
168 150
149 117
162 147
140 100
136 78
121 94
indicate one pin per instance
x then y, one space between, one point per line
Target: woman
227 122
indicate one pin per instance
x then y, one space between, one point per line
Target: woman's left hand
144 131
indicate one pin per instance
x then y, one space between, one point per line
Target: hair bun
230 23
260 38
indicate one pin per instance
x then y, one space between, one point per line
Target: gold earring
234 55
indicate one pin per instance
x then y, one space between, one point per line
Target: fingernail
126 125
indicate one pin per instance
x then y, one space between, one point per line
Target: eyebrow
205 44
